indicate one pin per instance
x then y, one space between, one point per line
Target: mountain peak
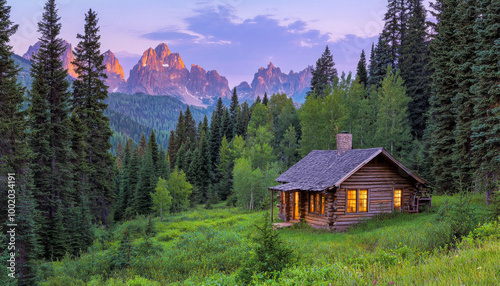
270 65
114 71
162 51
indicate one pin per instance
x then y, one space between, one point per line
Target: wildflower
345 267
479 268
374 282
390 283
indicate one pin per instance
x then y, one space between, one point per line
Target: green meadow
208 247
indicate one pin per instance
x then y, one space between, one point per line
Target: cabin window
322 204
311 203
351 201
363 200
397 199
357 201
317 203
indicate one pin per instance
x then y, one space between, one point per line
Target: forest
179 195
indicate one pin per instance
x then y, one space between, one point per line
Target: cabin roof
323 169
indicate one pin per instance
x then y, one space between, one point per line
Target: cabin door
296 206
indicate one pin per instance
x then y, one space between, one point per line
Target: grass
206 247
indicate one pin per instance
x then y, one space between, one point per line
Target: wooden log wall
380 179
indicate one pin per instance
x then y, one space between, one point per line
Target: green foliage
460 215
270 255
320 120
392 127
162 200
180 190
248 184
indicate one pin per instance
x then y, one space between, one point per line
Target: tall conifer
88 101
15 155
324 74
361 71
51 127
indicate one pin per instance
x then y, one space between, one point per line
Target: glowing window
311 203
322 204
351 201
363 200
397 199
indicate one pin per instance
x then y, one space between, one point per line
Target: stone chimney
344 142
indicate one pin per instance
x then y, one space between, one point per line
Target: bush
271 254
460 215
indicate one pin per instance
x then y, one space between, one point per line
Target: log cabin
335 189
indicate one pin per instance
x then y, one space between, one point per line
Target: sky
234 37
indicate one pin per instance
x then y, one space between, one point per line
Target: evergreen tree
132 179
442 120
324 74
155 154
200 172
265 99
190 127
216 134
79 160
361 71
378 65
464 51
142 203
233 112
142 148
413 64
242 120
396 19
225 169
486 123
51 129
15 159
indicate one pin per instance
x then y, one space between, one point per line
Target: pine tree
79 160
463 53
265 99
378 65
88 101
413 64
190 126
324 74
143 146
215 135
442 120
233 112
155 154
142 203
225 169
396 19
361 71
132 179
51 127
486 123
15 159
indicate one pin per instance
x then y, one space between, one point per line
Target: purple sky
235 37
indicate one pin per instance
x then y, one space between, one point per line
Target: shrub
271 254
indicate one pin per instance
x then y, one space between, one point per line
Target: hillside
133 115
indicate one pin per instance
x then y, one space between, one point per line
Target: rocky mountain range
161 72
271 80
